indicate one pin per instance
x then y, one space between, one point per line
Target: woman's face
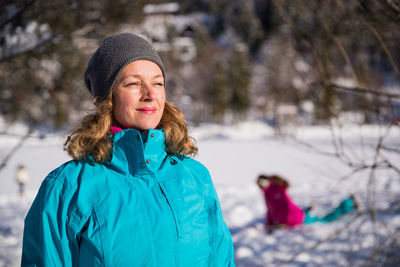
139 95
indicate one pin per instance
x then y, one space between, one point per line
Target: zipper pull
162 191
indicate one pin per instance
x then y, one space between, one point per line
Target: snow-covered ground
235 155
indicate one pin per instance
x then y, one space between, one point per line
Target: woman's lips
147 110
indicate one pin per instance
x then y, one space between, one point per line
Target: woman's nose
148 92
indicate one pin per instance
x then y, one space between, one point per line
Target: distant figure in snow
282 211
21 177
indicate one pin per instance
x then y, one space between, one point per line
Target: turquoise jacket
140 208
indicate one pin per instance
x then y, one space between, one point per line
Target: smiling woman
139 95
131 196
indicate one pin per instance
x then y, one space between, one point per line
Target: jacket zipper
175 222
172 211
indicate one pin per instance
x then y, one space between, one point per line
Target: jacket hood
134 151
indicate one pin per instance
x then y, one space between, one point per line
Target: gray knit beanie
112 56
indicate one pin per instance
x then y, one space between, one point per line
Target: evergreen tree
218 10
246 23
44 49
219 92
239 81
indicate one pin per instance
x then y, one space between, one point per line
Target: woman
131 196
283 212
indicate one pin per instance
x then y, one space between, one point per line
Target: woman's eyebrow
139 76
123 78
131 75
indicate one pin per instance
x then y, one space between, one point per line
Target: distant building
157 9
286 114
169 31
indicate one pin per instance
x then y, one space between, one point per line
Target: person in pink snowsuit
282 211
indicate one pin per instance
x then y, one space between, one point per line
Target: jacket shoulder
69 182
195 166
57 196
65 172
75 173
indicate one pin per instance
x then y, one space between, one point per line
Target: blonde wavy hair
92 136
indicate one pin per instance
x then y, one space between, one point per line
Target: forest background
296 62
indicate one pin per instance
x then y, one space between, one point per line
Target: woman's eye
133 84
159 84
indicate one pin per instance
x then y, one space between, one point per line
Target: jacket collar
138 152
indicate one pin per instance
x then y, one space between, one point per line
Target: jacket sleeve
48 232
221 240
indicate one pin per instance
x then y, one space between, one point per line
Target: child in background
282 211
21 178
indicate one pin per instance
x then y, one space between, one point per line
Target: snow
25 38
161 8
235 156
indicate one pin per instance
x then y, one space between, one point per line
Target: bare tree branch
391 149
391 165
43 41
5 160
17 13
336 233
380 41
357 167
393 5
303 40
359 90
342 50
329 237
